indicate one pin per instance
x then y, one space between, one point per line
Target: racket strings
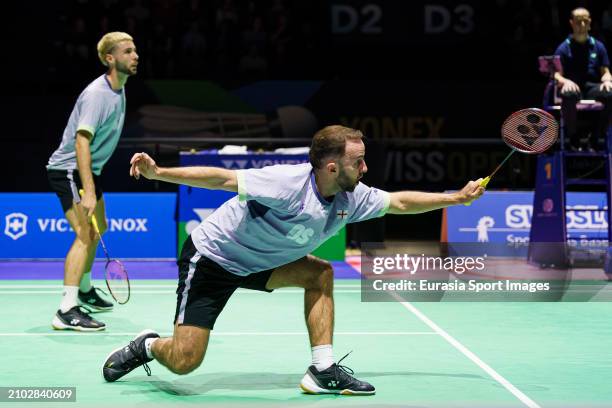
117 281
530 131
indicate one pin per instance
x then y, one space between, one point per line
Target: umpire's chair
549 64
562 170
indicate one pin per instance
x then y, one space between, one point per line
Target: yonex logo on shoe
74 322
332 383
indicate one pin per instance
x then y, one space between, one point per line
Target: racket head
530 131
117 281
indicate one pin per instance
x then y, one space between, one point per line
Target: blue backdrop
506 217
140 225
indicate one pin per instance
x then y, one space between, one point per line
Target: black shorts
67 183
204 287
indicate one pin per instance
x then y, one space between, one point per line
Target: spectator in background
77 59
280 40
104 25
255 35
253 65
585 75
166 12
139 12
228 39
193 47
109 8
227 14
160 46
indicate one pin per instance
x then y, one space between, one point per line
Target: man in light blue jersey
89 140
261 239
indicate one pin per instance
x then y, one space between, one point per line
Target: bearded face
346 181
125 58
351 167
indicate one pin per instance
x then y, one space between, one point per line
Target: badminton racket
115 274
530 131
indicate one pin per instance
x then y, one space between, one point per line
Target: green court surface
415 354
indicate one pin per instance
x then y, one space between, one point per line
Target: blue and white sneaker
336 379
76 319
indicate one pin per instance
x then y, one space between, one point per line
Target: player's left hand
472 191
142 164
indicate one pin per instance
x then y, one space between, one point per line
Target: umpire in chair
585 74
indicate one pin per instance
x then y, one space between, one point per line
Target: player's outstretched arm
415 202
213 178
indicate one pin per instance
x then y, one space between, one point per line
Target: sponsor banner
505 217
140 225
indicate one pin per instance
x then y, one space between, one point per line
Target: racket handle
94 222
483 184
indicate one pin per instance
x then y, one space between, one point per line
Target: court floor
415 354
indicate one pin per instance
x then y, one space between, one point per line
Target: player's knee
327 274
323 275
186 362
86 236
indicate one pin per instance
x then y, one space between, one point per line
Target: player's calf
184 363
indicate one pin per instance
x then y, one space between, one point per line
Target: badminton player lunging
261 240
89 140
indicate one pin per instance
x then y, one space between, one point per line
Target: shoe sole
310 387
57 324
145 331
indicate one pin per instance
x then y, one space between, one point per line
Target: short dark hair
331 142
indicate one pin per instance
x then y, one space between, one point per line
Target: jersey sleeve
92 112
269 185
368 203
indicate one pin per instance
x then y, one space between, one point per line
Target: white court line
139 286
102 333
158 292
466 352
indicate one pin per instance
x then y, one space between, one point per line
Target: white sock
69 298
322 356
85 285
148 344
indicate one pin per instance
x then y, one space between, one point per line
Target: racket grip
94 222
483 184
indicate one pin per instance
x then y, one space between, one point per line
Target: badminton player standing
89 139
261 240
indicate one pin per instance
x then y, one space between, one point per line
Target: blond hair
108 42
331 142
